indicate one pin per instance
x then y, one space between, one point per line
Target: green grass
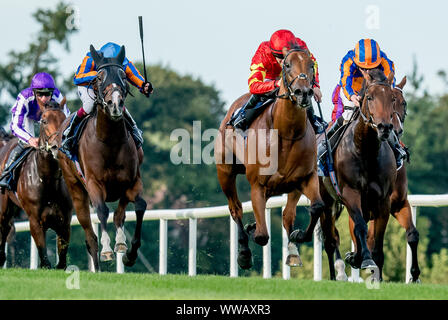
51 284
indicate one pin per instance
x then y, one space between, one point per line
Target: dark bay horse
109 161
366 172
41 191
278 156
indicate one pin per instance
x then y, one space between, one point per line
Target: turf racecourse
51 284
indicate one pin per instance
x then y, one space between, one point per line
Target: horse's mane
378 77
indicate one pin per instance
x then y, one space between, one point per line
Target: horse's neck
46 166
289 120
110 132
366 140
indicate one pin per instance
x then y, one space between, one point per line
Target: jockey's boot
247 113
136 133
319 124
322 147
13 156
68 139
399 152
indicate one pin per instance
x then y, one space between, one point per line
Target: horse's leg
289 215
131 255
96 195
377 251
404 217
362 258
257 194
38 234
310 189
81 204
63 234
329 237
5 226
339 263
119 217
227 180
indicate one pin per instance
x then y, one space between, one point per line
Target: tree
16 74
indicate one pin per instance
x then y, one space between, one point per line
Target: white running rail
222 211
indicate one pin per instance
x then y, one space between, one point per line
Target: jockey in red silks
26 111
85 73
365 55
264 79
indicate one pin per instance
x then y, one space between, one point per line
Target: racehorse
109 164
285 134
366 173
41 191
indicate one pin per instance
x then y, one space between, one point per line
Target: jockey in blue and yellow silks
365 55
85 73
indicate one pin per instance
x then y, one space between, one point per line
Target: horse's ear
121 55
366 76
63 102
95 56
390 78
402 83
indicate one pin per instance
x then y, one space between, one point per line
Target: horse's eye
369 98
287 65
43 121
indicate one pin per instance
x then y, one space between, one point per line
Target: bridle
120 88
368 120
302 76
46 146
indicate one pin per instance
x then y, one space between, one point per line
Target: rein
369 121
289 92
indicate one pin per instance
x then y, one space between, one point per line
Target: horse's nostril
310 92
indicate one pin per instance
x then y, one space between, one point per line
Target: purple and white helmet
43 81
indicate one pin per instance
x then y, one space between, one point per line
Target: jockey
25 112
266 68
366 55
85 73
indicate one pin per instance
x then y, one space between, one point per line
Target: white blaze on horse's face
117 103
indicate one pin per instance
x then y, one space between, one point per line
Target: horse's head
298 76
50 122
378 102
400 108
111 86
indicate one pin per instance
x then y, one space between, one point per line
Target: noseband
100 95
289 92
47 147
369 120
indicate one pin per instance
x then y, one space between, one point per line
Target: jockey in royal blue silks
85 73
25 112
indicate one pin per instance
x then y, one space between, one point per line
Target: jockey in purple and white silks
25 112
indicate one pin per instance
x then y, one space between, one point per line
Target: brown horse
109 162
41 191
366 172
286 136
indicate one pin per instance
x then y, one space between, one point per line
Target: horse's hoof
297 236
120 247
61 266
250 228
293 260
107 256
418 281
339 265
368 264
245 259
350 258
127 261
261 240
